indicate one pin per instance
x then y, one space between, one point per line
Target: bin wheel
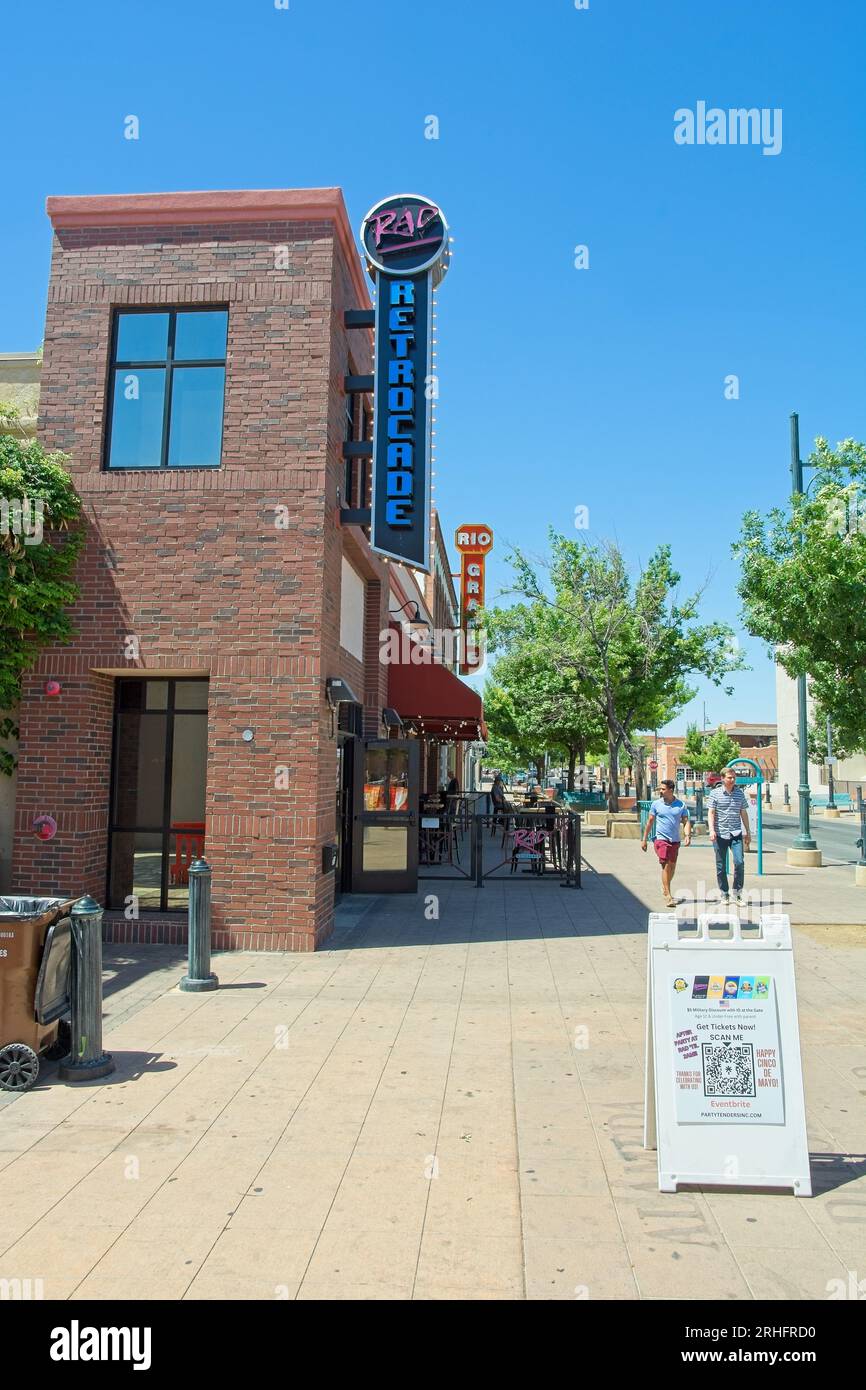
19 1067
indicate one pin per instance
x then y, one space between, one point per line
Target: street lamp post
804 850
831 803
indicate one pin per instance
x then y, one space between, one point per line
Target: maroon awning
436 703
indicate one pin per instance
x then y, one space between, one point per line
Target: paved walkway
825 895
405 1115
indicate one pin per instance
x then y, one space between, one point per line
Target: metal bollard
787 795
861 843
199 978
699 805
86 1061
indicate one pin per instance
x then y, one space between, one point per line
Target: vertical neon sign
406 244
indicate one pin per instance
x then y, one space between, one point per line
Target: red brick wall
193 565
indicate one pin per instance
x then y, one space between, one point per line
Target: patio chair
527 843
189 845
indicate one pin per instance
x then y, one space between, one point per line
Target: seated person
498 798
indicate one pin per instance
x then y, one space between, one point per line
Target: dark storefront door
345 771
385 818
159 775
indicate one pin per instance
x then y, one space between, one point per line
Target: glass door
158 792
385 816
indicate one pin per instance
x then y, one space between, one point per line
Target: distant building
756 741
848 770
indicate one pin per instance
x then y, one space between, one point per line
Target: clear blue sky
560 387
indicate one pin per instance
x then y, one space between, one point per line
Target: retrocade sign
405 240
473 544
724 1084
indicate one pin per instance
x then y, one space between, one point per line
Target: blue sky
560 387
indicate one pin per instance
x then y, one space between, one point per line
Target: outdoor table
437 838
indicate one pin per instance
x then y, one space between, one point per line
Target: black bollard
199 978
86 1061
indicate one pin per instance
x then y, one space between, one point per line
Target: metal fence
506 846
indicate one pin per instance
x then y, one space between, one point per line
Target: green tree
693 748
507 749
555 716
720 750
803 584
40 540
708 752
627 645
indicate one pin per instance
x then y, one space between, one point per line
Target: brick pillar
64 772
375 671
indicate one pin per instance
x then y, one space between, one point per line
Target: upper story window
167 383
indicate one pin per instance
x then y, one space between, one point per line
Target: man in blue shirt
728 816
668 814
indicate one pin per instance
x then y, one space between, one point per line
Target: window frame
169 366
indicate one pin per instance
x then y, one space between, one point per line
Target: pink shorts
667 851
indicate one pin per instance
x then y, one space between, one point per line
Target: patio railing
516 846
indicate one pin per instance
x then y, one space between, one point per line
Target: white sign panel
725 1050
724 1087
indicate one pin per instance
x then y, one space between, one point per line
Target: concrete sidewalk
825 895
406 1115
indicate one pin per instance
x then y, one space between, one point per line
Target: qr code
729 1070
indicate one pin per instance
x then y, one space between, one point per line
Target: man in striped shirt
728 815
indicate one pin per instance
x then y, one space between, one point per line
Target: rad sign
405 241
724 1089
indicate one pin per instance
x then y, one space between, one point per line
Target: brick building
195 372
756 741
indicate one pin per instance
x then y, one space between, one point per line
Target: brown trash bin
35 954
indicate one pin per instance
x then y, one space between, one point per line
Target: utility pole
804 850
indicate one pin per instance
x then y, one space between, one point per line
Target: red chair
189 845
